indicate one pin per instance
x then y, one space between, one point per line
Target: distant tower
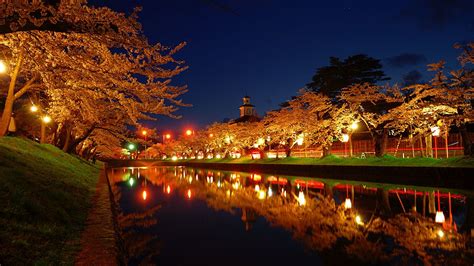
247 109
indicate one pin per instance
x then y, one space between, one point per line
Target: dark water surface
185 216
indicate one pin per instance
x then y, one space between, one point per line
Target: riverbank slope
45 196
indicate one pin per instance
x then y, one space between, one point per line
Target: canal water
188 216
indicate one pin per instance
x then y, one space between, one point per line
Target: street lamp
189 132
354 125
435 133
345 139
144 133
3 67
45 120
131 147
34 108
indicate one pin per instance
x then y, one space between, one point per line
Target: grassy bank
45 195
334 160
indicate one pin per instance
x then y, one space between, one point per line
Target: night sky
269 49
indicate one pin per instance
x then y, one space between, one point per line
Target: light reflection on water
330 221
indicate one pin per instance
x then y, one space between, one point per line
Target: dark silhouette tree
355 69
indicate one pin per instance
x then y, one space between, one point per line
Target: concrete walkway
98 240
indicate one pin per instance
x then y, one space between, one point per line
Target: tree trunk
8 108
77 141
380 142
469 223
327 151
421 146
429 146
383 203
431 203
67 141
468 147
328 191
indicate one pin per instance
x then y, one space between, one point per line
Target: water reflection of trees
322 225
139 244
318 222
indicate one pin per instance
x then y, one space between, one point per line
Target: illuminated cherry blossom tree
91 79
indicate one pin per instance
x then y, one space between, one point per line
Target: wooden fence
436 147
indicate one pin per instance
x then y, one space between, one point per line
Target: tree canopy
355 69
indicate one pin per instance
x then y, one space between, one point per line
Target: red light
189 132
189 193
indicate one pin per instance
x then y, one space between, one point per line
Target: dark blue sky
269 49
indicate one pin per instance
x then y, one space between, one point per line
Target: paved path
98 239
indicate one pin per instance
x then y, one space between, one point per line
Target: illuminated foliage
90 80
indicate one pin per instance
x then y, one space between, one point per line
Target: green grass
45 195
334 160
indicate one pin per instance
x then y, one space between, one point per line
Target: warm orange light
189 132
189 193
439 218
144 195
301 199
168 189
46 119
354 125
211 135
34 109
345 138
256 177
3 67
168 136
347 204
144 132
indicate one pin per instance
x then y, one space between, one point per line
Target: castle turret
247 109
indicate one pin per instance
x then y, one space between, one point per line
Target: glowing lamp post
345 139
3 67
166 137
44 120
354 126
300 139
188 132
435 133
145 134
131 147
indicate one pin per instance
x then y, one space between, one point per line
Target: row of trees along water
81 76
333 106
